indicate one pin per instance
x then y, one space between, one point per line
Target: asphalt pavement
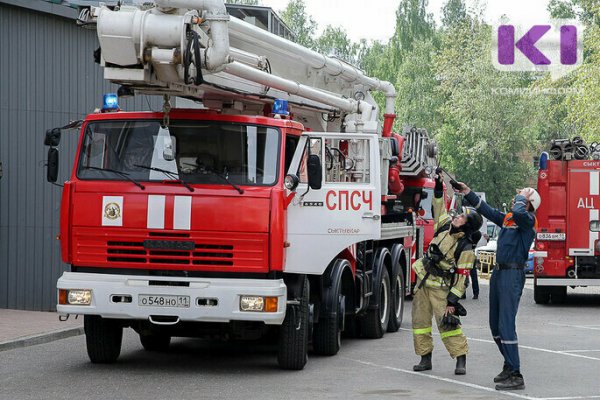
559 346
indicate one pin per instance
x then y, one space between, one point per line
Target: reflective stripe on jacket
447 243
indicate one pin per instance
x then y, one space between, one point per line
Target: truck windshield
194 152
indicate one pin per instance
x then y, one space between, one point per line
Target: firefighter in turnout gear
441 275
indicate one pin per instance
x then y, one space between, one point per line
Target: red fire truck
567 243
238 216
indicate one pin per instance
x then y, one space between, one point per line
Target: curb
40 338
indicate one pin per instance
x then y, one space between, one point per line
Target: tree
488 133
335 42
454 12
300 23
244 2
419 97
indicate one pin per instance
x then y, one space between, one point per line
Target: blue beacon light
110 102
543 160
280 107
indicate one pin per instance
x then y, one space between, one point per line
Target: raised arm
523 218
483 208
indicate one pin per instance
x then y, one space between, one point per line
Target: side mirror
315 172
52 137
52 171
291 182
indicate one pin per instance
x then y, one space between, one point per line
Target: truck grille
204 252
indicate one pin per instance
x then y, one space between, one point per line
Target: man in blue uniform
508 278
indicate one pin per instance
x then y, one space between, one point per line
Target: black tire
155 342
375 322
541 294
293 337
558 294
398 291
327 335
103 338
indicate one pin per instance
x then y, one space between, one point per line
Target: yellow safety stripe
433 283
455 332
422 331
465 265
456 292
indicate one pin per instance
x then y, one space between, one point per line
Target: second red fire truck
568 236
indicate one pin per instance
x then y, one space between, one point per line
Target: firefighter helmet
535 200
474 219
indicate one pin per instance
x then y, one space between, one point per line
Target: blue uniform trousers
506 287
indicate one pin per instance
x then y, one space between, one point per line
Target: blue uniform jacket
515 238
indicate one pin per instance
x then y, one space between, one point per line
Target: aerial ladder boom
194 49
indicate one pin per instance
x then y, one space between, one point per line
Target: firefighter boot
461 365
424 365
502 376
513 382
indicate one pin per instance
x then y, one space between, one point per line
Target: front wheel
293 333
103 339
397 303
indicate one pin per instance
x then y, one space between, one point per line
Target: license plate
164 301
551 236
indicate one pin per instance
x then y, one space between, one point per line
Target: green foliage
419 99
489 124
488 133
454 13
300 23
244 2
335 42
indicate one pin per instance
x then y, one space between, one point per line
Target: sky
377 22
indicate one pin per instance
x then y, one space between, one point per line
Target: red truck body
567 246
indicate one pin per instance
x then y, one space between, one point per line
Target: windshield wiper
169 174
226 179
120 173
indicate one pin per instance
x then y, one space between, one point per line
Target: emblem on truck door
112 211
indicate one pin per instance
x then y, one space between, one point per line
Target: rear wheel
103 339
155 342
541 294
293 333
397 302
375 322
327 336
558 294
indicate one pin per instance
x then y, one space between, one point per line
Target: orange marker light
270 304
62 296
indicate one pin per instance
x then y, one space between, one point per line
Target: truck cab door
345 210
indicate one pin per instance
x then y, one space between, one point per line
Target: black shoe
461 365
504 375
424 365
475 296
514 382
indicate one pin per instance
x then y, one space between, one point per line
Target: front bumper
108 289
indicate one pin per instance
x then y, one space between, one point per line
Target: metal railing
487 259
